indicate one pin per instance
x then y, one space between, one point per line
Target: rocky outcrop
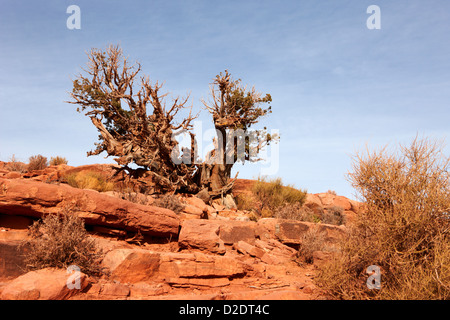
199 266
319 202
205 252
131 265
212 235
44 284
35 199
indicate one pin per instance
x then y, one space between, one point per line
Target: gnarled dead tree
132 134
234 110
127 131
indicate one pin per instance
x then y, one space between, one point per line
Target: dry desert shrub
405 230
295 211
15 165
89 180
37 162
60 241
313 240
292 212
333 215
245 202
56 161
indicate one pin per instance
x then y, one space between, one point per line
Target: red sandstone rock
201 234
246 248
131 265
320 258
327 199
33 198
233 231
199 265
12 264
342 202
313 202
189 274
197 202
193 210
145 289
116 290
276 248
12 175
198 282
243 186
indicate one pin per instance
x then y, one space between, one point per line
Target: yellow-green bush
405 230
245 202
272 194
89 180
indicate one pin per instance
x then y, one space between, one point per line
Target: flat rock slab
212 235
12 262
137 265
34 198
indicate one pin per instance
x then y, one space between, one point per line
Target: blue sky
336 85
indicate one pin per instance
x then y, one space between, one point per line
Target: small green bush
37 162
